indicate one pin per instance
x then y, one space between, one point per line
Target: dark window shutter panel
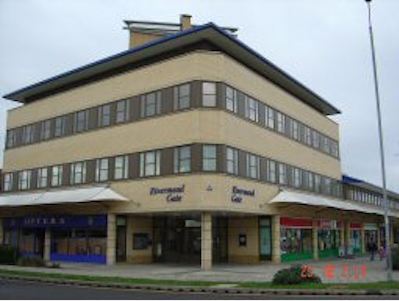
134 107
196 157
241 103
93 117
111 172
91 171
33 182
166 100
242 163
134 166
167 161
263 169
112 113
196 94
66 174
220 95
221 158
262 116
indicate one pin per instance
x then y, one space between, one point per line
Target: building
188 147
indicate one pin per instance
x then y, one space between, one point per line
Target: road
39 291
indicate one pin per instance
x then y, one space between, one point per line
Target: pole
381 140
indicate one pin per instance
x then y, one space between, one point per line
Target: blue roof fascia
115 56
350 180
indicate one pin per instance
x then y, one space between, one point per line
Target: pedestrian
373 248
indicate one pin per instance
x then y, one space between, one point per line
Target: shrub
31 261
296 274
8 255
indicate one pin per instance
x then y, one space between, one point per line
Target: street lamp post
384 188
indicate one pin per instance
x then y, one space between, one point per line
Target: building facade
189 147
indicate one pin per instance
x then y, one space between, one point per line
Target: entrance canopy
321 201
66 196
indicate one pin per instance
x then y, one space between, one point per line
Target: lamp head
368 0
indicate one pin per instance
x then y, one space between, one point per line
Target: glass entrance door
265 239
121 239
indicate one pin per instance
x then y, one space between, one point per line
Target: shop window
42 177
7 181
182 159
232 161
122 111
150 163
102 169
78 173
181 99
121 167
97 242
208 94
209 157
251 109
27 242
231 100
24 179
296 242
104 115
151 104
45 130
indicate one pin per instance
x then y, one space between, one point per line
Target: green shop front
329 238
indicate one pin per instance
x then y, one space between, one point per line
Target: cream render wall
138 224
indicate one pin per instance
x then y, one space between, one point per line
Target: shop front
329 235
295 239
355 242
74 238
370 234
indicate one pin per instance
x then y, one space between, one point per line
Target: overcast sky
323 44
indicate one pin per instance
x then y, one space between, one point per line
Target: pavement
338 271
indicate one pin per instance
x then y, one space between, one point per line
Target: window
11 138
42 177
308 135
102 169
327 183
309 181
296 177
81 121
7 181
56 175
232 160
209 157
334 149
271 171
181 97
317 183
251 109
270 117
150 163
280 122
121 167
59 126
45 130
151 104
27 134
282 174
182 159
104 115
24 178
294 129
231 100
122 111
78 173
316 139
325 144
209 94
253 166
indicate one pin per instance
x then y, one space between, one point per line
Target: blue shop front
73 238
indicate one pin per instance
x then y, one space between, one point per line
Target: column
111 238
379 236
347 236
391 233
1 232
363 240
276 236
342 234
206 241
47 244
315 240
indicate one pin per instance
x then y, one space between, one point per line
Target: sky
323 44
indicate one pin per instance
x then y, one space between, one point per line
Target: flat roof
225 41
366 185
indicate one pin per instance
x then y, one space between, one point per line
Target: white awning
317 200
67 196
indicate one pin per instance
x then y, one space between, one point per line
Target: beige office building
188 147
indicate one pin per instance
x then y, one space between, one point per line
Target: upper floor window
325 144
209 157
271 171
281 120
27 134
7 181
45 130
334 149
104 115
42 177
316 139
151 104
181 97
327 183
182 159
232 161
78 173
102 169
270 117
24 178
60 126
150 163
251 109
231 99
317 183
56 175
253 166
310 181
122 111
11 138
296 177
209 94
282 174
294 129
81 121
308 135
121 170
